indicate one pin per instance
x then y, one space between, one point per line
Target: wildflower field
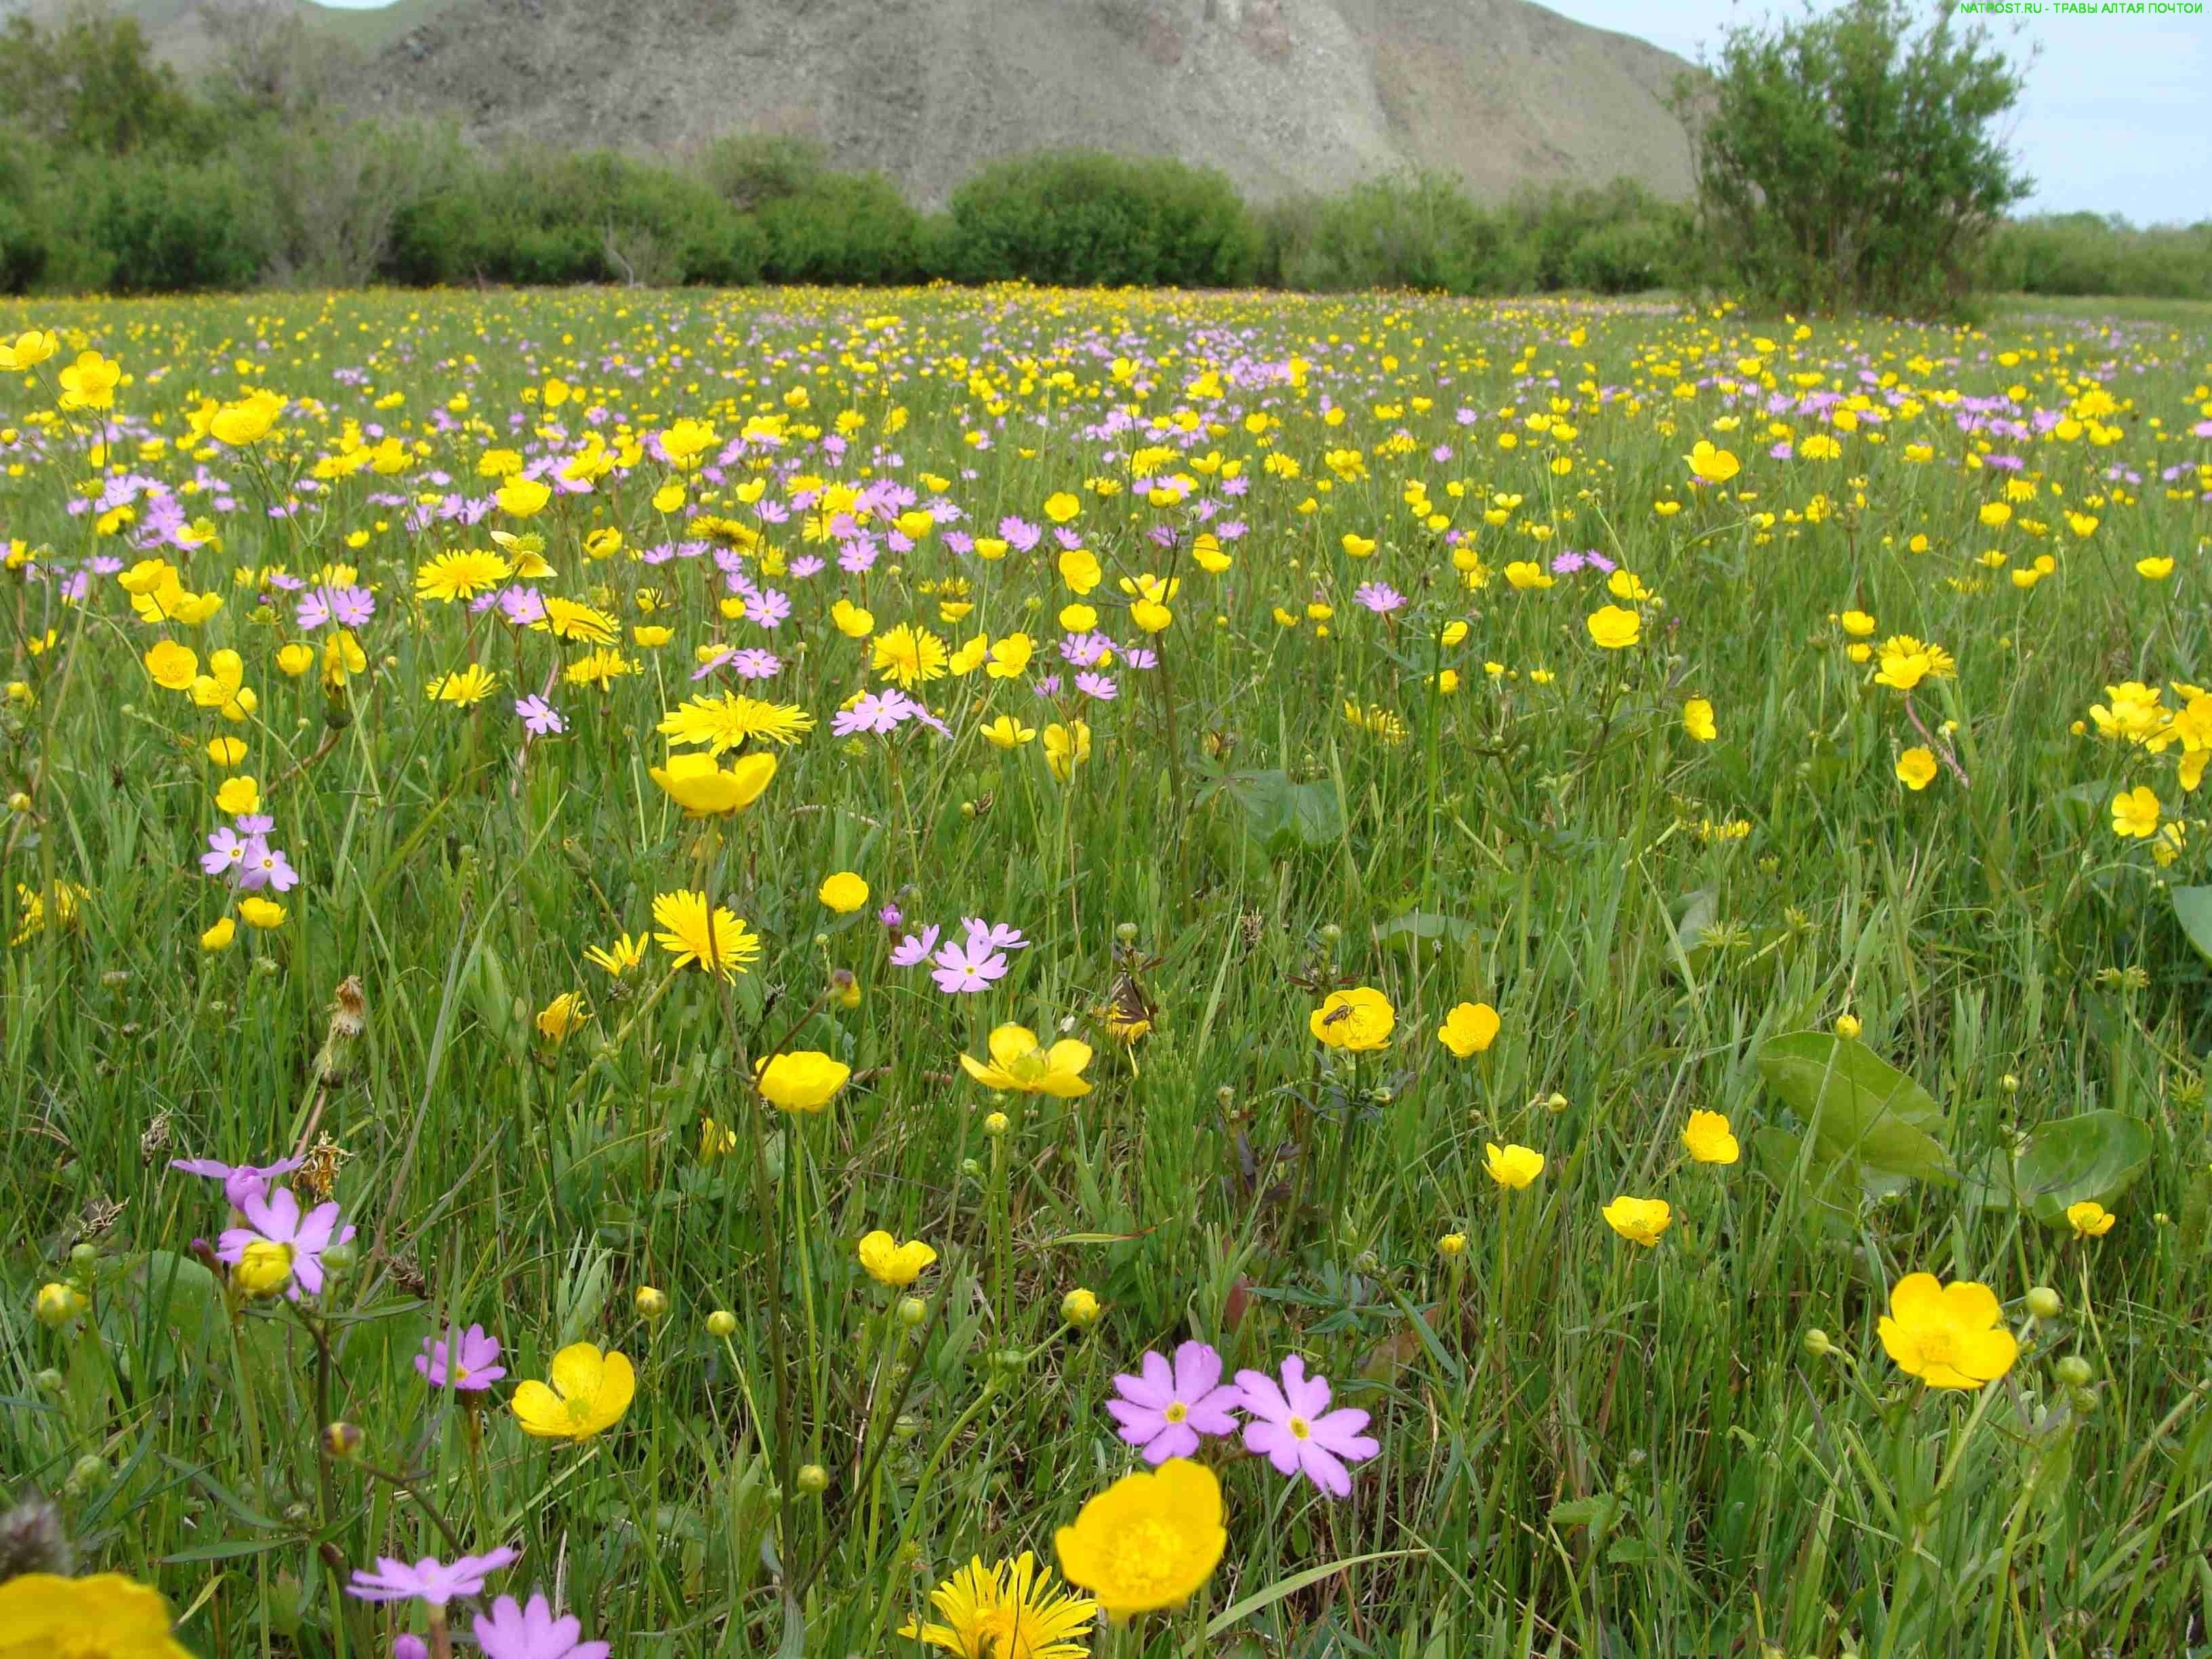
1026 973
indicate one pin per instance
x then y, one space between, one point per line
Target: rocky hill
1283 95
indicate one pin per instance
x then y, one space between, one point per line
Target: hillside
1283 95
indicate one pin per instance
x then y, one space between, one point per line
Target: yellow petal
577 1370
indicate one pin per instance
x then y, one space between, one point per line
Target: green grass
1587 1447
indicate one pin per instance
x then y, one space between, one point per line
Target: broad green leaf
2095 1157
1284 817
1858 1105
1699 910
1418 928
1830 1186
2192 907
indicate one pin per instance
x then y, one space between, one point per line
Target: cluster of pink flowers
972 965
271 1214
1166 1410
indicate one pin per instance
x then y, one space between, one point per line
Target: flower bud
1126 932
995 1125
1847 1026
822 941
813 1480
1452 1246
2043 1303
652 1305
1555 1102
2010 1083
1817 1343
88 1474
912 1311
2073 1371
49 1381
342 1440
83 1253
970 1168
338 1260
58 1305
1331 933
1080 1308
721 1322
264 1269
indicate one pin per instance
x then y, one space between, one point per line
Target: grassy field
1785 722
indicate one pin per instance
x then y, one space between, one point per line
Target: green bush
748 170
595 218
1088 219
2087 254
173 227
1847 161
841 228
1415 232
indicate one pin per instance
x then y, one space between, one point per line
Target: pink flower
1294 1431
429 1579
276 1217
508 1631
466 1360
240 1181
1165 1411
913 947
967 967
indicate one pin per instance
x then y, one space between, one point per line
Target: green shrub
841 228
1415 232
1089 220
173 227
595 218
748 170
2088 254
1846 160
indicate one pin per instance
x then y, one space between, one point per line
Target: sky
2117 117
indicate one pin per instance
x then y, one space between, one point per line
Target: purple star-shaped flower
240 1181
1293 1427
466 1360
428 1579
910 949
543 719
531 1632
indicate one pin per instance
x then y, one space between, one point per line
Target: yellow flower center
1142 1560
1176 1412
580 1411
460 1373
1004 1633
1300 1429
1938 1347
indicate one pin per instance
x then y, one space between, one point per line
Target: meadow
812 947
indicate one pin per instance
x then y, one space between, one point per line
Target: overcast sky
2117 117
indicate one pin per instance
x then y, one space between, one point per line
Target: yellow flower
1020 1065
1947 1335
1847 1026
1080 569
219 937
910 655
1356 547
1712 466
1856 623
1709 1139
246 420
174 667
523 496
1513 1167
27 350
1359 1021
1916 769
562 1016
2154 568
618 958
890 1262
106 1616
1613 628
1013 1611
712 938
590 1392
258 912
1148 1542
1639 1221
90 381
1059 507
2136 813
1906 661
803 1080
703 789
1469 1028
1008 733
264 1269
1066 748
844 892
1080 1308
851 621
226 752
1698 720
459 576
238 796
223 688
2090 1220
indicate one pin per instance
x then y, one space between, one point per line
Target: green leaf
1595 1513
1418 928
1831 1186
2095 1157
1856 1105
2192 907
227 1552
1284 817
1282 1587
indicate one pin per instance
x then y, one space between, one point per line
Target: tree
1849 160
92 84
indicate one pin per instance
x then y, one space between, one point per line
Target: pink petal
1262 1398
